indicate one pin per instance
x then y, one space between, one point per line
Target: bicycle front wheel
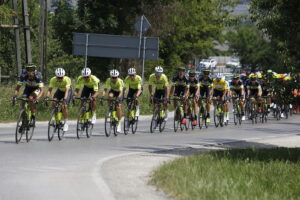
61 132
216 117
80 124
126 125
108 124
89 129
153 124
134 125
176 119
30 130
52 128
20 129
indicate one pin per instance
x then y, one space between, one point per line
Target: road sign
142 25
114 46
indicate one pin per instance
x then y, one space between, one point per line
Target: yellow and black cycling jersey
133 84
206 82
180 82
117 86
160 83
220 85
35 82
93 82
236 86
61 85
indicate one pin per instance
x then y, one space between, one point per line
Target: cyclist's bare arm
41 93
96 94
139 92
76 91
66 93
150 89
121 93
104 92
16 92
172 90
167 89
49 92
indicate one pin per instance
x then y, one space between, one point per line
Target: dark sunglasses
114 77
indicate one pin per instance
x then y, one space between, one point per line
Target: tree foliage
280 20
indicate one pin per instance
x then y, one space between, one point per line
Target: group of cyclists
186 88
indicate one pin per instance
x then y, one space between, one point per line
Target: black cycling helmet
206 71
236 76
30 67
192 73
181 69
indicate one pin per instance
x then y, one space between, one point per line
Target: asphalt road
70 169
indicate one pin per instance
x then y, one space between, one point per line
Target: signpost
118 46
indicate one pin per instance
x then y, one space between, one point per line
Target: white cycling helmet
60 72
114 73
219 76
131 71
159 70
86 72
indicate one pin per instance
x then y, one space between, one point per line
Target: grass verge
233 174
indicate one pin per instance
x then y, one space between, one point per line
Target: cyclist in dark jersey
180 88
206 84
34 87
194 91
238 90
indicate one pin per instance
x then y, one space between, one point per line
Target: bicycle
191 114
55 124
202 116
159 116
111 120
130 119
84 118
25 123
219 113
178 114
265 112
237 112
253 110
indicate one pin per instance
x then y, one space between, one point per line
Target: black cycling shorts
132 92
179 91
204 91
87 92
237 93
29 91
218 93
159 94
61 94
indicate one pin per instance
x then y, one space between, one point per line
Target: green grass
10 113
266 174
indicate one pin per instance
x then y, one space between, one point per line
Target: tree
280 20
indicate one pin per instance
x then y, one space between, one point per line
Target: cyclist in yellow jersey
64 91
162 90
219 93
90 89
116 86
133 83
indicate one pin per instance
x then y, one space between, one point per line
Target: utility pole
43 36
27 32
17 37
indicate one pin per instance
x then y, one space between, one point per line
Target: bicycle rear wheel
20 129
52 128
